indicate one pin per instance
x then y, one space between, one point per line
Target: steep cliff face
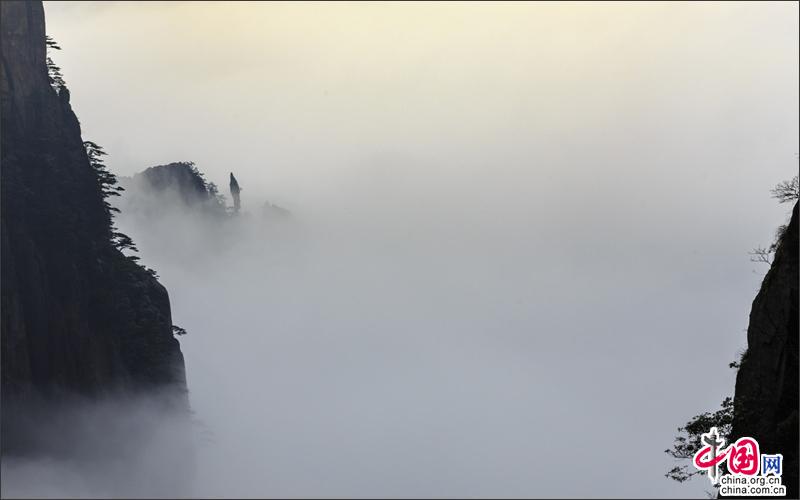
766 401
78 317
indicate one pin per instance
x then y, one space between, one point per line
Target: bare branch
787 191
761 254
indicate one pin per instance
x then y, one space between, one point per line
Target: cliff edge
79 318
766 400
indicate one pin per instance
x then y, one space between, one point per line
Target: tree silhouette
51 43
108 187
53 71
688 442
787 191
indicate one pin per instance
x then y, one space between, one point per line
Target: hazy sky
527 227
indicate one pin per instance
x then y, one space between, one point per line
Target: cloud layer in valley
517 255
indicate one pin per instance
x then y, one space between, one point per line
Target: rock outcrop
235 193
174 187
178 181
78 316
766 400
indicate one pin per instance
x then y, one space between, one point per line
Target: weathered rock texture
766 401
78 317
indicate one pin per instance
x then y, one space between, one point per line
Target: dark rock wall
78 317
766 401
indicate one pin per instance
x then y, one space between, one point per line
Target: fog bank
517 255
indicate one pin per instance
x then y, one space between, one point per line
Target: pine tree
108 187
53 71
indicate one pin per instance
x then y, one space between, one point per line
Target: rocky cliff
175 185
78 317
766 400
